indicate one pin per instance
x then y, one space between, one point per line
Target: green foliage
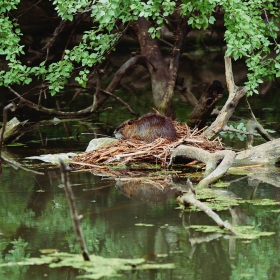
238 126
249 34
18 252
199 13
67 9
9 39
7 5
91 50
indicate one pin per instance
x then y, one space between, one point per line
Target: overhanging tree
250 33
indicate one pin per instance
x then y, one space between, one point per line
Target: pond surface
35 214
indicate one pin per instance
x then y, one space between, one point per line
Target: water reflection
116 224
147 190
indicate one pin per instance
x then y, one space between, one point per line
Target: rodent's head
122 129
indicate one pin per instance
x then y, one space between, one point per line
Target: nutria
147 128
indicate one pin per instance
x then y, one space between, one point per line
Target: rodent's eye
129 122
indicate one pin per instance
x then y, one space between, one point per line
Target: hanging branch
53 112
64 169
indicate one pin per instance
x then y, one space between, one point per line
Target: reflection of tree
110 230
14 199
15 254
146 190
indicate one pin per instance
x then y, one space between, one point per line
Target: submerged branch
189 198
18 165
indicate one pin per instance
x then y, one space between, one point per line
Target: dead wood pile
124 151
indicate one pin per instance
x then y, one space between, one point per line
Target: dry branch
235 94
74 213
189 198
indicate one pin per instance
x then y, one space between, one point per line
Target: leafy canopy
251 32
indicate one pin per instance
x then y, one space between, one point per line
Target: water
35 216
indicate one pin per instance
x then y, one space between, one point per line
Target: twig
74 213
100 73
25 102
228 129
120 100
28 9
270 30
87 164
62 26
17 165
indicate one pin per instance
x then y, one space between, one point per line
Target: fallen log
266 154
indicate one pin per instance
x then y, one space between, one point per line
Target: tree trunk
163 77
205 105
156 65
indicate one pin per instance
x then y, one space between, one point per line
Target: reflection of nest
123 152
146 190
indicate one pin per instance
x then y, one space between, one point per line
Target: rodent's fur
147 128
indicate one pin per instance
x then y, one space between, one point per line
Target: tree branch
128 65
53 112
174 62
56 35
235 94
202 111
217 164
189 198
74 213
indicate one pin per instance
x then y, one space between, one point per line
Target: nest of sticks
124 152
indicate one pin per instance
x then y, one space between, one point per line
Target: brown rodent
147 128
